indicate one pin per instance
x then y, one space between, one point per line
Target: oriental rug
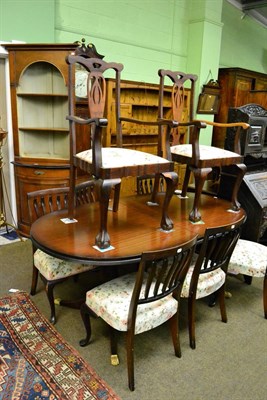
36 363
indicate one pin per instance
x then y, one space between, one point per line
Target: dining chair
53 270
250 259
108 165
207 273
199 159
142 300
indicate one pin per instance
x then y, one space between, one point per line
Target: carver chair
51 269
250 259
199 159
142 300
207 273
107 165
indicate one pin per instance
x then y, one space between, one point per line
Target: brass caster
227 295
114 359
57 301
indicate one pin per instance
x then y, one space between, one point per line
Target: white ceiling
256 9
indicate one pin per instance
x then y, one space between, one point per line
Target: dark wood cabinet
238 87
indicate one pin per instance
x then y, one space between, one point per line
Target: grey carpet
229 362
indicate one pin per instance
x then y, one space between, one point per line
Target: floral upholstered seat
52 268
207 283
250 259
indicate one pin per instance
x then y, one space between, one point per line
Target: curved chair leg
49 287
130 359
117 189
85 314
171 179
35 273
102 239
174 325
155 188
186 181
200 178
241 170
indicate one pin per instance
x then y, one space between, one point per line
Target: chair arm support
82 121
243 125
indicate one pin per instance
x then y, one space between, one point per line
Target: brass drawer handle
38 172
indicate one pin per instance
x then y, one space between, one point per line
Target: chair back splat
199 159
108 165
140 301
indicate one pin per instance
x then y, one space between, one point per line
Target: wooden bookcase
238 87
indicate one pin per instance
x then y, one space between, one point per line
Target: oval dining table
133 229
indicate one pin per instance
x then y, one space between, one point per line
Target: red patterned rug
36 363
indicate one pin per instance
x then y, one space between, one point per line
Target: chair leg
130 359
265 294
114 358
174 325
191 321
49 287
85 314
241 170
200 175
35 273
102 239
247 279
71 204
221 296
155 188
186 181
116 199
171 179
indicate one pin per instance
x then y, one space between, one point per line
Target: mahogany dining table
133 229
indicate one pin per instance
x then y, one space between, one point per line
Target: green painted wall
244 42
30 21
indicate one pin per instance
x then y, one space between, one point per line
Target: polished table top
133 229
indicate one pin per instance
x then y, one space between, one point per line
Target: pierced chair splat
51 269
142 300
207 274
109 164
199 159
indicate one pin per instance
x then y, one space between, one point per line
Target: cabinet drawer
29 179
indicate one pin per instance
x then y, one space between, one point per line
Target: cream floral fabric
111 302
206 152
117 157
208 282
249 258
53 268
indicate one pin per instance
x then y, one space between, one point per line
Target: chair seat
248 258
206 153
111 302
120 158
53 268
208 283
